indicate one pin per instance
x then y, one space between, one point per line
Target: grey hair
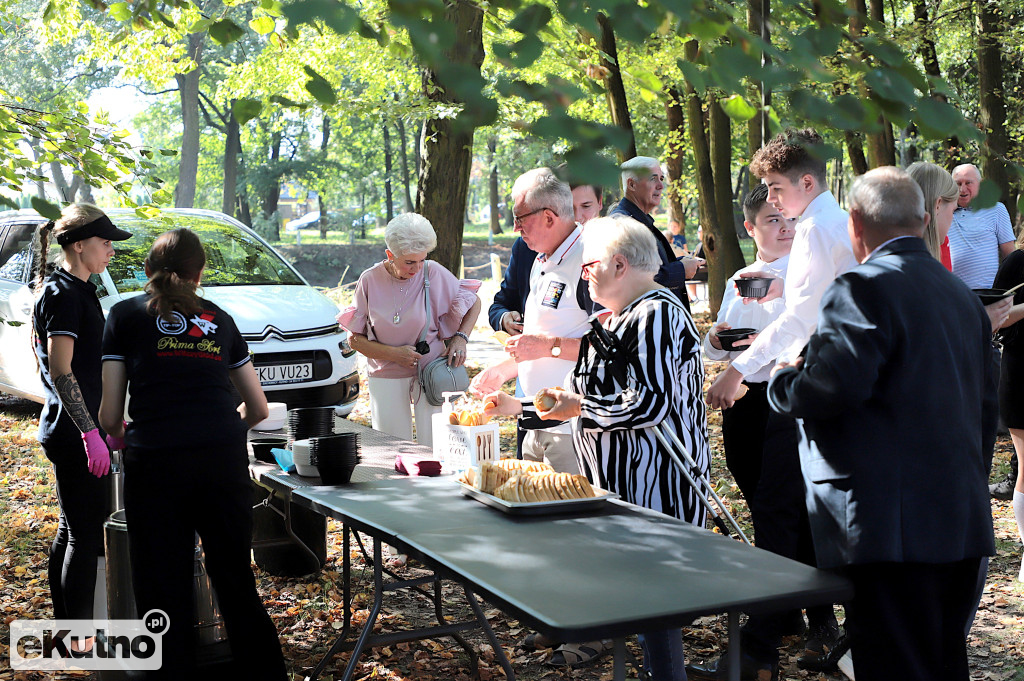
888 199
410 233
967 166
541 188
636 167
621 235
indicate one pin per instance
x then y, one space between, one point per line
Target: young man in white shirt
743 424
792 168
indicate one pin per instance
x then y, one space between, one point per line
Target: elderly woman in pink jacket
388 318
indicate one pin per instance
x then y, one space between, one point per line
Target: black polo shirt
178 374
68 306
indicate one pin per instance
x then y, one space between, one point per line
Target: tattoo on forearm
71 397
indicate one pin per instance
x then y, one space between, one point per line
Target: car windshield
233 257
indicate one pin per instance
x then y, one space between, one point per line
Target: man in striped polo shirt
978 238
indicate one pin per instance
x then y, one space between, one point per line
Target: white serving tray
539 507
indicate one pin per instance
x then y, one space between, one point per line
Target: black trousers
169 496
781 526
79 541
906 620
743 432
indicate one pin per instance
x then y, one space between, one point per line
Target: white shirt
821 252
752 316
974 239
552 309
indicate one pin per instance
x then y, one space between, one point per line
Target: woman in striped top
615 419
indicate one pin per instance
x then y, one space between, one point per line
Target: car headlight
346 349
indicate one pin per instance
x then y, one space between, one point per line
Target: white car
302 356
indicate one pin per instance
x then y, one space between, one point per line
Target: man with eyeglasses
556 310
642 183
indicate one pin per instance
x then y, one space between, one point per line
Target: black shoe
793 624
1003 490
718 669
821 642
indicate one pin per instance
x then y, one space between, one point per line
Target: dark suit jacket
672 274
515 286
897 405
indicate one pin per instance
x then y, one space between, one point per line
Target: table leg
734 645
619 656
346 578
378 602
439 614
498 652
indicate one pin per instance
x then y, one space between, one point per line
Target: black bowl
261 447
753 287
730 336
990 295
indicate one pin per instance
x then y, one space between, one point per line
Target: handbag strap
426 300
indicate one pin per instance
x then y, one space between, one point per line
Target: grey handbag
437 377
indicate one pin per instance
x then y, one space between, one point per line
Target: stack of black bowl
335 457
308 422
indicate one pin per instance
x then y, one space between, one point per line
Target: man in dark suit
642 183
898 414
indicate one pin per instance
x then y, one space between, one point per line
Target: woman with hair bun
67 326
182 355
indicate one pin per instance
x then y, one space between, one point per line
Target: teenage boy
743 424
792 168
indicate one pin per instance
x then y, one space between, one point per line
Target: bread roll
453 418
543 402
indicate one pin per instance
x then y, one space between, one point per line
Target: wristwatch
556 349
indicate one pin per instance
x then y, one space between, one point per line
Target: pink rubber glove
114 442
96 450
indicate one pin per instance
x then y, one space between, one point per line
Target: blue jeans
663 654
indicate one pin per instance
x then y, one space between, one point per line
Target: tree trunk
757 127
707 210
61 183
675 149
615 91
232 146
930 58
881 145
492 148
992 103
721 246
447 143
325 138
855 150
274 190
388 201
407 196
188 90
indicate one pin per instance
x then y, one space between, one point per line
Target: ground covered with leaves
308 610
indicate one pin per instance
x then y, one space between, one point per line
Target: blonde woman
940 195
67 325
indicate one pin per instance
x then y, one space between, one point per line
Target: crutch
607 347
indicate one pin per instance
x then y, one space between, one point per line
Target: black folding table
578 577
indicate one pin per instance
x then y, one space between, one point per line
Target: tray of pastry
528 488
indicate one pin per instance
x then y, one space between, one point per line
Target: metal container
211 633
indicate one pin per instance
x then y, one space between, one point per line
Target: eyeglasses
586 269
518 219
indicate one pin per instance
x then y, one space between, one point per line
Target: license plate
275 374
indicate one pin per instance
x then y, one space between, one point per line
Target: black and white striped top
614 434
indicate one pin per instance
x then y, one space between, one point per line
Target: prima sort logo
55 645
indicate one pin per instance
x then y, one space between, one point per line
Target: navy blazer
897 406
672 274
515 287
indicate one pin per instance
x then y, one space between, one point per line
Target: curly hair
793 153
